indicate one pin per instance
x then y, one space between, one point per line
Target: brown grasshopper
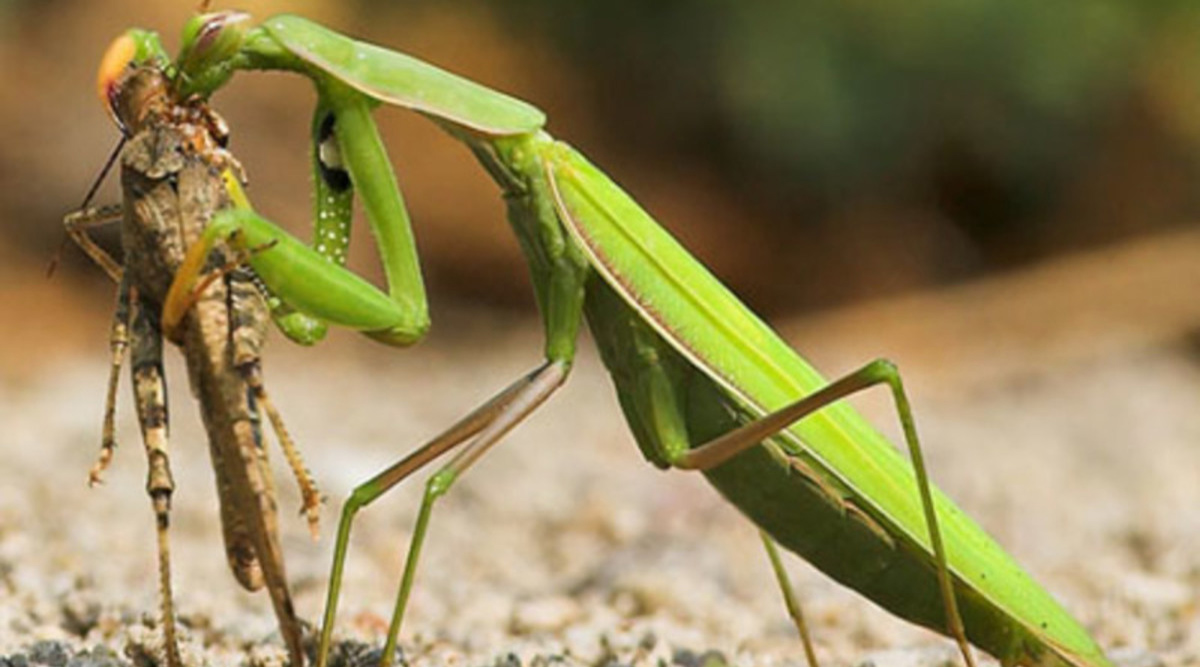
172 168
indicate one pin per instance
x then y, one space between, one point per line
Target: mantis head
210 43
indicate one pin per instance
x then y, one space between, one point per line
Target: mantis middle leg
486 424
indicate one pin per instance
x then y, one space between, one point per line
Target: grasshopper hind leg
150 393
247 331
255 489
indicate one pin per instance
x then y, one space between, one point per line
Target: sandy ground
562 547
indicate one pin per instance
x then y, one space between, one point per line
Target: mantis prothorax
704 384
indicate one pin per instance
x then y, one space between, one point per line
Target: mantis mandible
703 383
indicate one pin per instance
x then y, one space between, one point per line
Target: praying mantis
703 383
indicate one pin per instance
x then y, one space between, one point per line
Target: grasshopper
704 384
172 186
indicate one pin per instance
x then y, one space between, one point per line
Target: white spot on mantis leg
329 153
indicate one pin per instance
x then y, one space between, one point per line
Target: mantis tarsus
171 176
704 384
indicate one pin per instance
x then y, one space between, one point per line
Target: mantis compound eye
116 60
209 40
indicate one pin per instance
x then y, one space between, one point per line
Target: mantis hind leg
483 428
789 597
880 371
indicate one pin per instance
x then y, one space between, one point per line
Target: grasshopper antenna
87 199
112 158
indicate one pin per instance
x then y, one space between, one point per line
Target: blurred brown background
999 195
811 154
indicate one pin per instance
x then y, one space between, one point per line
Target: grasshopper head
132 51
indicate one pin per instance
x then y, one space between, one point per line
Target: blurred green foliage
996 101
809 150
842 91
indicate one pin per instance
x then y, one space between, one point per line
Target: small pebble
50 653
1129 656
544 615
101 656
688 658
933 656
507 660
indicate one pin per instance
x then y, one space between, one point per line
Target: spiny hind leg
150 394
247 332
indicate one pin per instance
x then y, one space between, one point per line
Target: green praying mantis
703 383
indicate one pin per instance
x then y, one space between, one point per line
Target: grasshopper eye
116 60
131 77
